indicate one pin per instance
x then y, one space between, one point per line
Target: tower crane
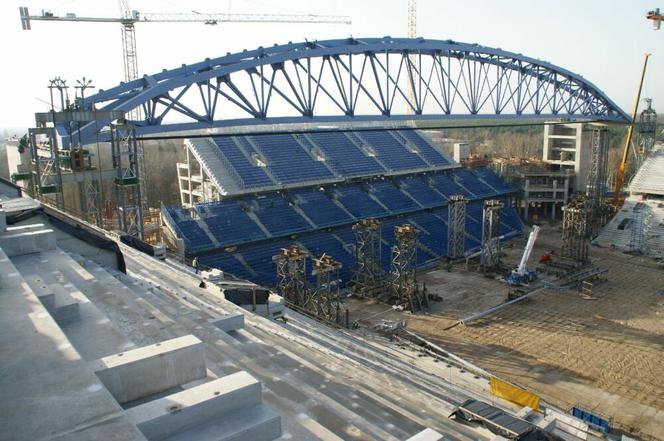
656 18
130 17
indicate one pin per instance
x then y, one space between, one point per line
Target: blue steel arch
373 79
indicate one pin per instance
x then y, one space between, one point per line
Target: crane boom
528 250
620 177
212 18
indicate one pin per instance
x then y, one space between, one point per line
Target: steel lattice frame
490 257
576 230
596 186
404 264
292 276
353 80
90 197
638 239
327 304
647 129
456 226
368 256
47 175
127 188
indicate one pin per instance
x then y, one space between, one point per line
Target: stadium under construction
331 271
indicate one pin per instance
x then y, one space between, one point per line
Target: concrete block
426 435
197 406
229 322
258 423
152 369
18 242
43 292
65 309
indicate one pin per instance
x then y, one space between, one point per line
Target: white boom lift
521 275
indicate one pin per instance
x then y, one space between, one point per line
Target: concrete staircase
164 385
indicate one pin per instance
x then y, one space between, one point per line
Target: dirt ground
605 354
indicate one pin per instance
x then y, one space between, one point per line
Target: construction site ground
605 354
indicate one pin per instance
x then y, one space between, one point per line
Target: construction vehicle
522 275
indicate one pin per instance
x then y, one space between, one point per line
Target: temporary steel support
127 184
368 256
47 181
456 226
640 228
596 183
576 230
351 80
90 198
404 263
326 301
647 130
490 257
292 276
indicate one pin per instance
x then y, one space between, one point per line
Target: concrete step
257 423
197 406
51 275
66 308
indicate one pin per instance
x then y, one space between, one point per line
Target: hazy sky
603 40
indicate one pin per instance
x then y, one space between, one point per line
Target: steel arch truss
355 80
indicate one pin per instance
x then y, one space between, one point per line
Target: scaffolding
326 301
490 254
368 257
640 228
647 130
404 287
47 176
456 226
127 183
596 186
292 276
576 230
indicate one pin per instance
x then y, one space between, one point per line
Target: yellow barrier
514 394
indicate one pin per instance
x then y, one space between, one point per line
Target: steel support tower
127 182
404 264
368 257
596 183
47 176
292 275
456 226
638 239
647 130
576 230
490 257
327 301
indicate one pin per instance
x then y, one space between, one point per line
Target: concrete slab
48 392
196 406
19 242
230 322
151 369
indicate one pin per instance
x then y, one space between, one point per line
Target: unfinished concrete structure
639 224
545 189
568 147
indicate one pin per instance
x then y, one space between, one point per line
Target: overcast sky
604 41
